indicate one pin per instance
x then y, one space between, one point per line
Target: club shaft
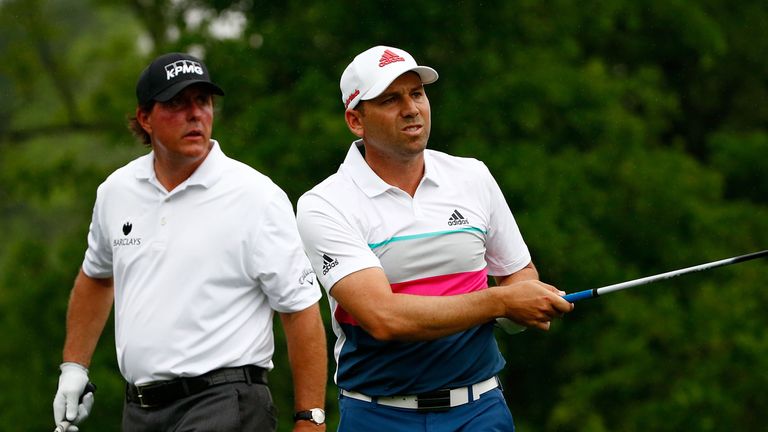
581 295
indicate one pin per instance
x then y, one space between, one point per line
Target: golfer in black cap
196 251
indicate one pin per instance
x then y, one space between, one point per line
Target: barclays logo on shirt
127 241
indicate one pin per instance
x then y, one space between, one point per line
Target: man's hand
533 303
67 404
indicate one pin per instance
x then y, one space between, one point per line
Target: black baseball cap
169 74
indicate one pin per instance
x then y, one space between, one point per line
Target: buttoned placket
165 207
407 200
416 207
416 200
163 217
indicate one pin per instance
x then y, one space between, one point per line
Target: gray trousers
229 407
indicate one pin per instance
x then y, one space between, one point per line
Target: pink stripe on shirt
444 285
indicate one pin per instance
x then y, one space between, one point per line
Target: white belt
437 400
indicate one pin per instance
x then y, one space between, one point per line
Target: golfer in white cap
404 239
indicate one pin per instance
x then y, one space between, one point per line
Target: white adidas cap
373 70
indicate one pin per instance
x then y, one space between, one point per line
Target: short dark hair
360 107
135 127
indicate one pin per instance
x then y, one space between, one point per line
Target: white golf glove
66 404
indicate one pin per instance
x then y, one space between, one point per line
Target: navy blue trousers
489 413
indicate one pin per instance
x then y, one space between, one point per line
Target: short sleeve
98 256
279 264
506 251
334 244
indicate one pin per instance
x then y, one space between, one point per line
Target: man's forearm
308 356
528 272
89 306
367 296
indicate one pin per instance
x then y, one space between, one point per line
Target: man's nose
410 107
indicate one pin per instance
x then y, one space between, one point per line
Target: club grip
89 388
580 295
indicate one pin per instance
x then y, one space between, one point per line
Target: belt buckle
140 395
438 400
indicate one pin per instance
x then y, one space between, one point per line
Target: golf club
591 293
64 425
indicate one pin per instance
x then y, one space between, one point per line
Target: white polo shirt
197 271
446 240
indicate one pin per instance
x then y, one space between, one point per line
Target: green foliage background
629 137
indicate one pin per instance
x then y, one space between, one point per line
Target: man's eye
173 103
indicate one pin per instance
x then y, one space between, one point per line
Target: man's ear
143 118
354 122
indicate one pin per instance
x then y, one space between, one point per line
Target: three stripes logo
389 57
328 264
457 219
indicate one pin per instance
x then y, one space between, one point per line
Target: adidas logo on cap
389 57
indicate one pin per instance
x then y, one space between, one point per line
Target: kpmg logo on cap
182 67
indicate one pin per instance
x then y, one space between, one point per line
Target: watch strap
308 415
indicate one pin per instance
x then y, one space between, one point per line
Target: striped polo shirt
446 240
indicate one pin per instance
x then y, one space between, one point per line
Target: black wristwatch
315 415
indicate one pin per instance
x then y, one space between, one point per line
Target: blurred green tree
628 137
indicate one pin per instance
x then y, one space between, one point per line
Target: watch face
318 416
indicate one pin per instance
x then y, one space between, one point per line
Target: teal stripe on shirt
424 235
